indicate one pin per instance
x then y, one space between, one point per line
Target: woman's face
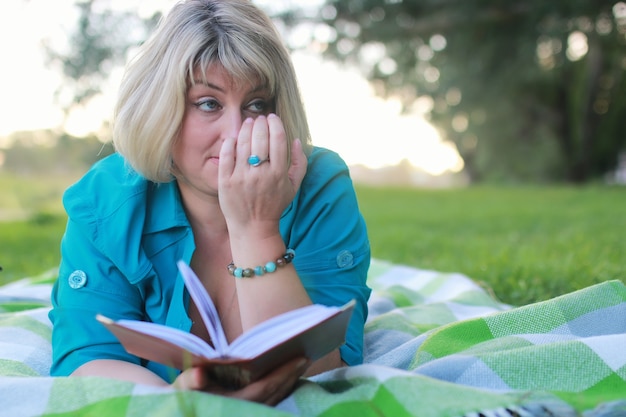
214 111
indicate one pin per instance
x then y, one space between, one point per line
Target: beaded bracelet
269 267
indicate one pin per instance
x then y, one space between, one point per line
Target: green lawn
526 244
31 224
30 247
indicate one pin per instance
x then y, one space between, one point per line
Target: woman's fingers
260 139
265 138
275 386
278 149
270 390
227 158
191 379
244 142
259 193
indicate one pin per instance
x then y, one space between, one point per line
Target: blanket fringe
543 409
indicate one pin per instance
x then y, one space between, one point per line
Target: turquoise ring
255 161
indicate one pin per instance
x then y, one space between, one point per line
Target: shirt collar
164 208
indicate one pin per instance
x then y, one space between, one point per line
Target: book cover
311 331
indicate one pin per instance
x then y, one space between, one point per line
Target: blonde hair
194 35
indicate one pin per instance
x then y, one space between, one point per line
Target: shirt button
77 279
345 259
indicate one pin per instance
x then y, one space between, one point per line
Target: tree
527 90
48 152
97 45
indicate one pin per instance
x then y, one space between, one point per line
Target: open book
311 331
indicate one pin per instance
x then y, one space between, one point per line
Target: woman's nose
232 124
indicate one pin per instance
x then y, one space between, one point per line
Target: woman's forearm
326 363
110 368
263 297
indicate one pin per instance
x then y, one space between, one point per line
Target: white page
278 329
207 309
187 341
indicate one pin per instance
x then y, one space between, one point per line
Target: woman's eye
258 106
207 105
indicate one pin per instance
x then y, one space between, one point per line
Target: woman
213 166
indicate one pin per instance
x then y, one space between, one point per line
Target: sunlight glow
344 113
577 46
27 87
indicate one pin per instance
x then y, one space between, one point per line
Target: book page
207 309
278 329
188 341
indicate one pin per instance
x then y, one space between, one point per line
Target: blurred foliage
47 152
530 90
98 43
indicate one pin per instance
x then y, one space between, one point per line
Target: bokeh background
484 136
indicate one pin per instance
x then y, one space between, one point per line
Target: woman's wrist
256 248
268 267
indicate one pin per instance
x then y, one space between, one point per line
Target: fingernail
303 364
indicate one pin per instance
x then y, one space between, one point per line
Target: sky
344 113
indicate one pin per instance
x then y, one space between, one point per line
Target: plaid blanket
436 345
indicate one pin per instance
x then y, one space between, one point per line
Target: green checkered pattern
436 344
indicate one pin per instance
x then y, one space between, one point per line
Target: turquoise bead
270 267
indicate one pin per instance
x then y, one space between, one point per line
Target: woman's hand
269 390
253 198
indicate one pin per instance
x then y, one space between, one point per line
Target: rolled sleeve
88 284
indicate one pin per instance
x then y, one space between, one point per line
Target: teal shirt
125 234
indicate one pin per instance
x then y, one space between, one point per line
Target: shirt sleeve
88 284
101 270
326 229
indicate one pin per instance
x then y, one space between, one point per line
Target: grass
30 247
31 224
526 244
26 196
